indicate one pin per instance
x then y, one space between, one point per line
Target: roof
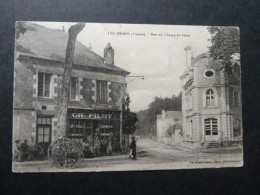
41 42
172 115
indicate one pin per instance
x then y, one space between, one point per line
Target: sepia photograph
126 97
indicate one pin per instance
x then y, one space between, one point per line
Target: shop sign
93 114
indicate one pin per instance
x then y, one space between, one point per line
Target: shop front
95 126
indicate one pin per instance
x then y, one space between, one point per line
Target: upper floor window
44 82
101 91
74 89
209 73
234 99
210 98
236 71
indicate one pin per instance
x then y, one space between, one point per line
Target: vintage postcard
123 97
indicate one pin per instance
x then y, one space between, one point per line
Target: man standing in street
133 148
24 150
16 151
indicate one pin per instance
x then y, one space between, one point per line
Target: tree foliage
129 122
129 118
146 125
225 44
19 29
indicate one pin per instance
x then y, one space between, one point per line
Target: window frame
76 90
101 99
234 99
211 101
211 126
42 125
44 89
209 77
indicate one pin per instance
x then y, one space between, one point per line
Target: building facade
211 101
166 120
97 89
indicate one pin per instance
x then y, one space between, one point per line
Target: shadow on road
142 154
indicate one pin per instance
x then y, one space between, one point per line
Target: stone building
165 120
97 88
211 101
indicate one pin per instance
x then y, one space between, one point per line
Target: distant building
166 120
97 88
211 101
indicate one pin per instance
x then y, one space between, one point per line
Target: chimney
109 55
188 50
163 114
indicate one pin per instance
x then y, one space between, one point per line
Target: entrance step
212 144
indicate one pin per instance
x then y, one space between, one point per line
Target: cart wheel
65 153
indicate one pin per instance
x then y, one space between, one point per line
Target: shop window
43 130
74 88
44 82
211 126
210 98
101 91
80 130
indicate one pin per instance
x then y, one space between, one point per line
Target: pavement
151 155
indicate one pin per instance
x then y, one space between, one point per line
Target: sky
140 50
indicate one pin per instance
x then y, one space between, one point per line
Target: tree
129 122
225 44
63 97
19 29
129 118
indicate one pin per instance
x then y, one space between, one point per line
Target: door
211 129
43 132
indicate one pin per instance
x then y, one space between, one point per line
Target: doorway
211 129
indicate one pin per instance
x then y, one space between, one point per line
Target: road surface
151 155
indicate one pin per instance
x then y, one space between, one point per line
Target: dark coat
133 147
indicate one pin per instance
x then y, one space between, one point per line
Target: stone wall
27 104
